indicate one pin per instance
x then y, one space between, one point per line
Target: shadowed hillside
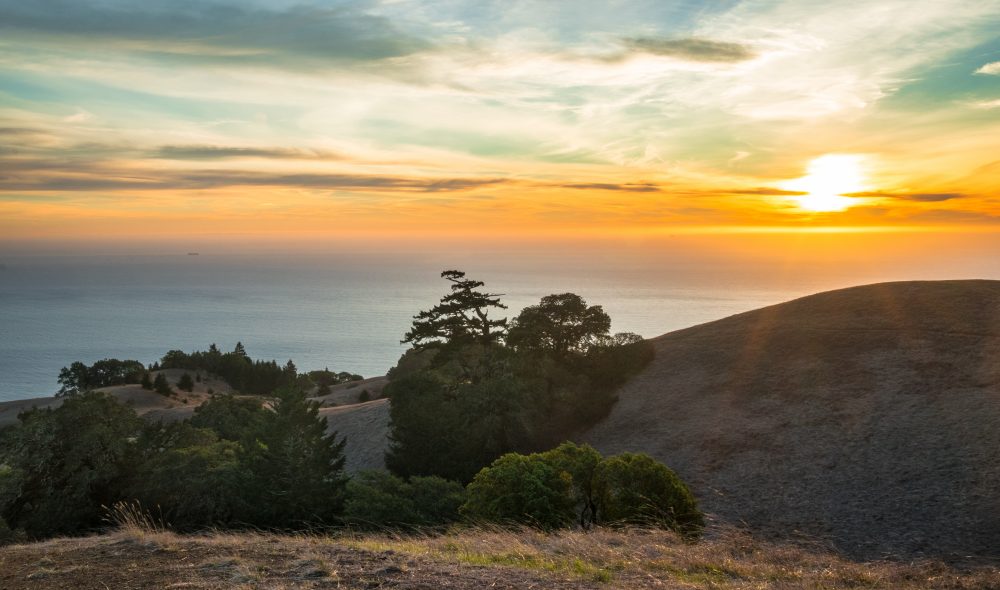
868 416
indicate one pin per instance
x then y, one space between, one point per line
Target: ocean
348 311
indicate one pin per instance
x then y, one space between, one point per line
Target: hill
867 416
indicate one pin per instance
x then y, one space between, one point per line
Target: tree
185 383
161 385
462 316
560 324
297 467
238 419
103 373
633 488
65 463
146 382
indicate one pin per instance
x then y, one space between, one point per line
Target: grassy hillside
867 416
133 558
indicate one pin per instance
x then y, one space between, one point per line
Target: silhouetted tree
461 316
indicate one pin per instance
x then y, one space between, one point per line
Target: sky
138 120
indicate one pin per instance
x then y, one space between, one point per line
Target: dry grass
650 558
141 553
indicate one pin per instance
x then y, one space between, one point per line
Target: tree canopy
462 316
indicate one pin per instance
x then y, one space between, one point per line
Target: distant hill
869 417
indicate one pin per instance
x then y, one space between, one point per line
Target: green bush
65 463
521 489
633 488
574 483
377 499
191 477
185 383
579 462
161 385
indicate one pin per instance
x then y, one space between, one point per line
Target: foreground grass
653 558
140 556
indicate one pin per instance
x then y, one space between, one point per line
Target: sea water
342 312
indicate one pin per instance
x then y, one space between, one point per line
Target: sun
829 178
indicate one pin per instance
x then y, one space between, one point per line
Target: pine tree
186 383
161 385
462 316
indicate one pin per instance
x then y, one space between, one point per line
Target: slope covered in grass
868 416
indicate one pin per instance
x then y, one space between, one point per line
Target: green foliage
297 468
79 377
161 385
574 483
520 489
461 397
236 368
364 396
146 382
376 499
461 317
185 383
451 427
580 462
633 488
65 463
412 361
328 378
193 479
559 325
238 419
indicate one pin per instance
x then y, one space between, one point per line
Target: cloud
777 192
109 180
602 186
214 152
991 69
918 197
692 49
986 104
200 30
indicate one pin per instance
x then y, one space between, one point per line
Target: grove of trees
473 387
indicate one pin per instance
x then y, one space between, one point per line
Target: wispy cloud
603 186
235 32
213 152
692 49
918 197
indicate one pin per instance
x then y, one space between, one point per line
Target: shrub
146 382
365 396
185 383
194 479
65 463
633 488
6 535
379 499
521 489
579 462
161 385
